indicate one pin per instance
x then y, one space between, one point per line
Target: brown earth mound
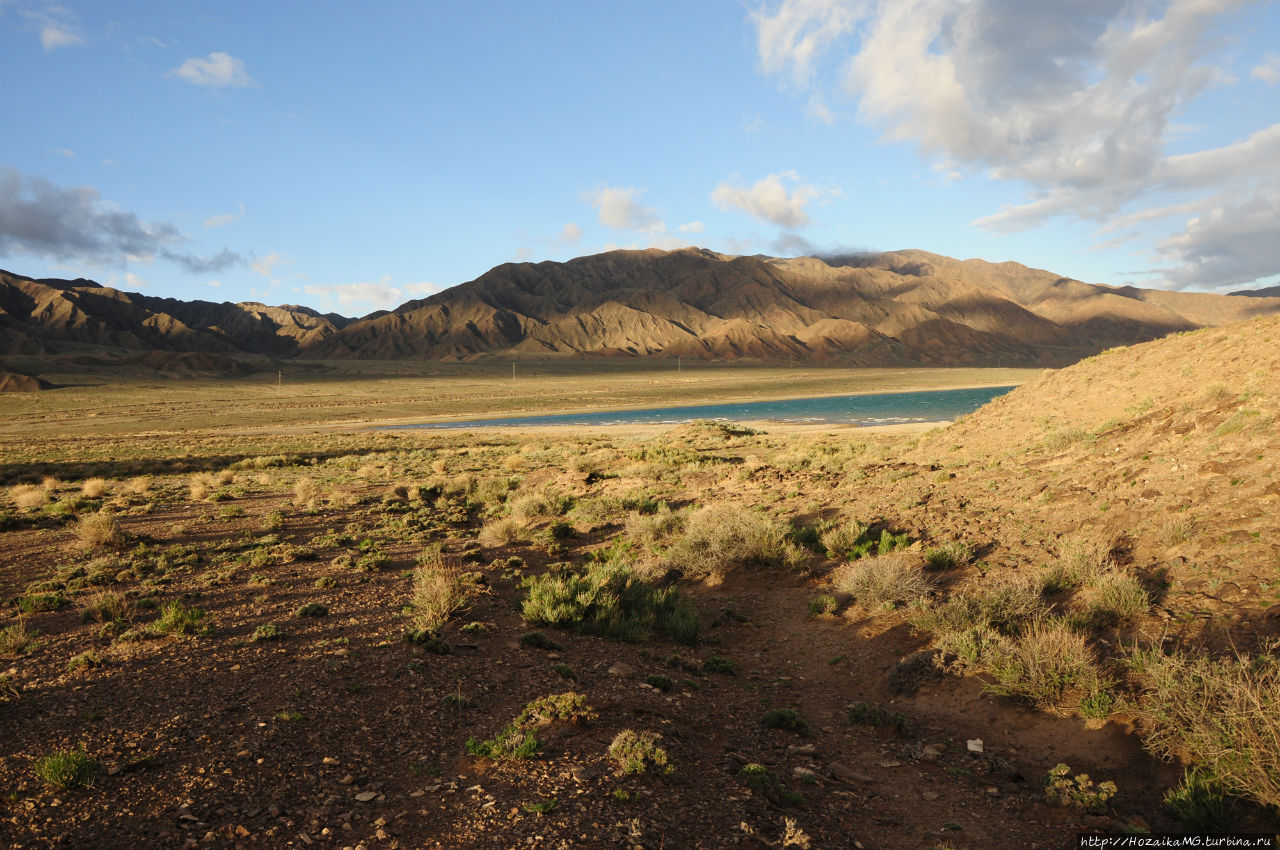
14 382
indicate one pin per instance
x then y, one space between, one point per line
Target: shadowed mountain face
899 308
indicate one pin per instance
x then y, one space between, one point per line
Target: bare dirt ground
339 732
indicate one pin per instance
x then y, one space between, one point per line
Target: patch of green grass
1200 802
289 716
429 641
865 714
947 556
823 605
36 602
177 619
544 807
66 769
787 719
84 660
564 671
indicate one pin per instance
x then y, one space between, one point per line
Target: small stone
804 749
974 745
930 795
366 796
804 774
993 791
891 764
346 780
930 752
242 831
622 670
329 760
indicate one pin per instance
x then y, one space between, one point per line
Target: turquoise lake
874 409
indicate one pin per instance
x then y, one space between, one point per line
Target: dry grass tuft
1219 714
28 496
882 581
438 590
108 606
94 531
1045 664
94 488
306 493
719 539
138 485
502 531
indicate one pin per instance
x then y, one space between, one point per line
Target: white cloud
571 233
692 227
618 208
1268 70
768 198
65 153
792 37
53 36
224 219
1228 244
1076 100
134 282
819 111
368 296
266 266
217 70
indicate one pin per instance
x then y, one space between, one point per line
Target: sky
350 157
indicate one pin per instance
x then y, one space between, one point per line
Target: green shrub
84 660
865 714
717 664
312 609
610 600
1116 598
267 631
36 602
108 606
787 719
539 640
564 671
765 782
947 556
517 741
633 751
66 769
661 683
429 641
177 619
1066 790
1005 606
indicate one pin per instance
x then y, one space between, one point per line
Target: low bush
1116 598
786 719
1045 664
502 532
634 751
177 619
1066 790
107 606
312 609
517 739
883 581
766 783
1218 714
17 639
439 590
947 556
611 600
719 539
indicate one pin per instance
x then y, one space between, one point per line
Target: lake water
874 409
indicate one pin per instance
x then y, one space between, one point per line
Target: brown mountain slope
894 309
51 317
907 307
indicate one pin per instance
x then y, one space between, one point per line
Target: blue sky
352 156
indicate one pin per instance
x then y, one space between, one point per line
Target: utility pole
513 370
680 365
279 379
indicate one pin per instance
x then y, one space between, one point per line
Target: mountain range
899 308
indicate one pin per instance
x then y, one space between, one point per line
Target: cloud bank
42 219
217 70
1073 99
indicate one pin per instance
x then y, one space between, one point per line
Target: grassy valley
239 628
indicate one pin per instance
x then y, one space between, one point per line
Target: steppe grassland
365 393
546 521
